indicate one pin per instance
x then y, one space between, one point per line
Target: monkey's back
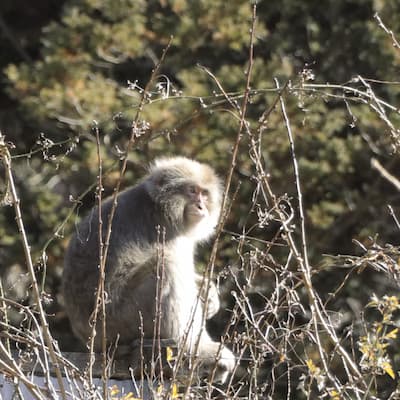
132 226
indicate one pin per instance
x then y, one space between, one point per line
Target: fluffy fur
164 198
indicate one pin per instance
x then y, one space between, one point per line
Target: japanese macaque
155 229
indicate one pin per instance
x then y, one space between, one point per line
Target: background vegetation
310 237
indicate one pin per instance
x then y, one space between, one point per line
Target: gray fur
156 204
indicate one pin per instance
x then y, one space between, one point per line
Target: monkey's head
188 194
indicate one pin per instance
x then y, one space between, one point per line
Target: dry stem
6 158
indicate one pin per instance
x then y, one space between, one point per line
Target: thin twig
129 146
228 181
156 351
6 158
359 94
242 123
387 30
12 368
385 173
100 293
305 267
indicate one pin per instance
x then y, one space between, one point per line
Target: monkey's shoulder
136 216
134 201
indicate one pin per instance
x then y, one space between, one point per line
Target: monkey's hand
225 365
213 304
216 362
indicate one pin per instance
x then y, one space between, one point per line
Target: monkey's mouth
197 213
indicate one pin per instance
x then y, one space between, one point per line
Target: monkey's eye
192 189
205 193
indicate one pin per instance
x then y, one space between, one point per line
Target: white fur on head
203 175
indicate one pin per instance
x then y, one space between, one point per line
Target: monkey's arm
213 300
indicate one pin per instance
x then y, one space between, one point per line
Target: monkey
157 222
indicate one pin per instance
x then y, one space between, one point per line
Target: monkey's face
198 204
188 195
